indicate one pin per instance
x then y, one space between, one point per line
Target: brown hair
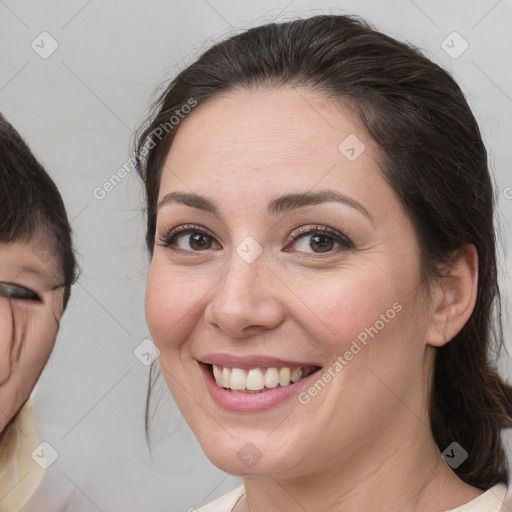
431 154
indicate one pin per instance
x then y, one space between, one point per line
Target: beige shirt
489 501
20 476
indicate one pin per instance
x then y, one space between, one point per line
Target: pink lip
246 363
249 402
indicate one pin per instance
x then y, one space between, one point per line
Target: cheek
169 306
40 341
349 308
367 320
172 307
36 347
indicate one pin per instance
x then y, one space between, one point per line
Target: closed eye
15 291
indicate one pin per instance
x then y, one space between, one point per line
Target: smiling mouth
258 380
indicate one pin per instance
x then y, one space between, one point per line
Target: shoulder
224 503
490 501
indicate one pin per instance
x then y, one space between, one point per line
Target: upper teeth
257 379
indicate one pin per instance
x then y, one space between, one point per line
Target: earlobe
454 297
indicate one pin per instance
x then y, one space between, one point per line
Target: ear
454 297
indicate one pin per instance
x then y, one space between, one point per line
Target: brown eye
15 291
323 243
320 239
199 241
190 238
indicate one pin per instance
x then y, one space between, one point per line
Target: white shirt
490 501
21 475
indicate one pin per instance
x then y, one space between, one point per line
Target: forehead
288 124
35 257
259 140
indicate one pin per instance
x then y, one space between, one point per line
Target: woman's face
30 312
249 292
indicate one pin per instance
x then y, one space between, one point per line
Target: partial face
284 289
30 312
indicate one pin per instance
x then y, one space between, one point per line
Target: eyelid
168 238
15 291
298 233
322 230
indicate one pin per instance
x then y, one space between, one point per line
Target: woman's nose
247 300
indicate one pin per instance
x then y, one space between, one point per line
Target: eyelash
344 241
299 233
17 292
180 230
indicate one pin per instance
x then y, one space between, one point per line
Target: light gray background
78 109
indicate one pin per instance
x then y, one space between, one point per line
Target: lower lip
251 402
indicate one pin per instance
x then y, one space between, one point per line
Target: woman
37 269
323 273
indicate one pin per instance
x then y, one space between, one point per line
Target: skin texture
368 429
28 329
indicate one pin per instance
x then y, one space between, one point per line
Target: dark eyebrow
291 201
281 204
192 200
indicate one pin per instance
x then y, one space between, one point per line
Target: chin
242 455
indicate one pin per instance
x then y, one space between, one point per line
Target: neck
408 474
